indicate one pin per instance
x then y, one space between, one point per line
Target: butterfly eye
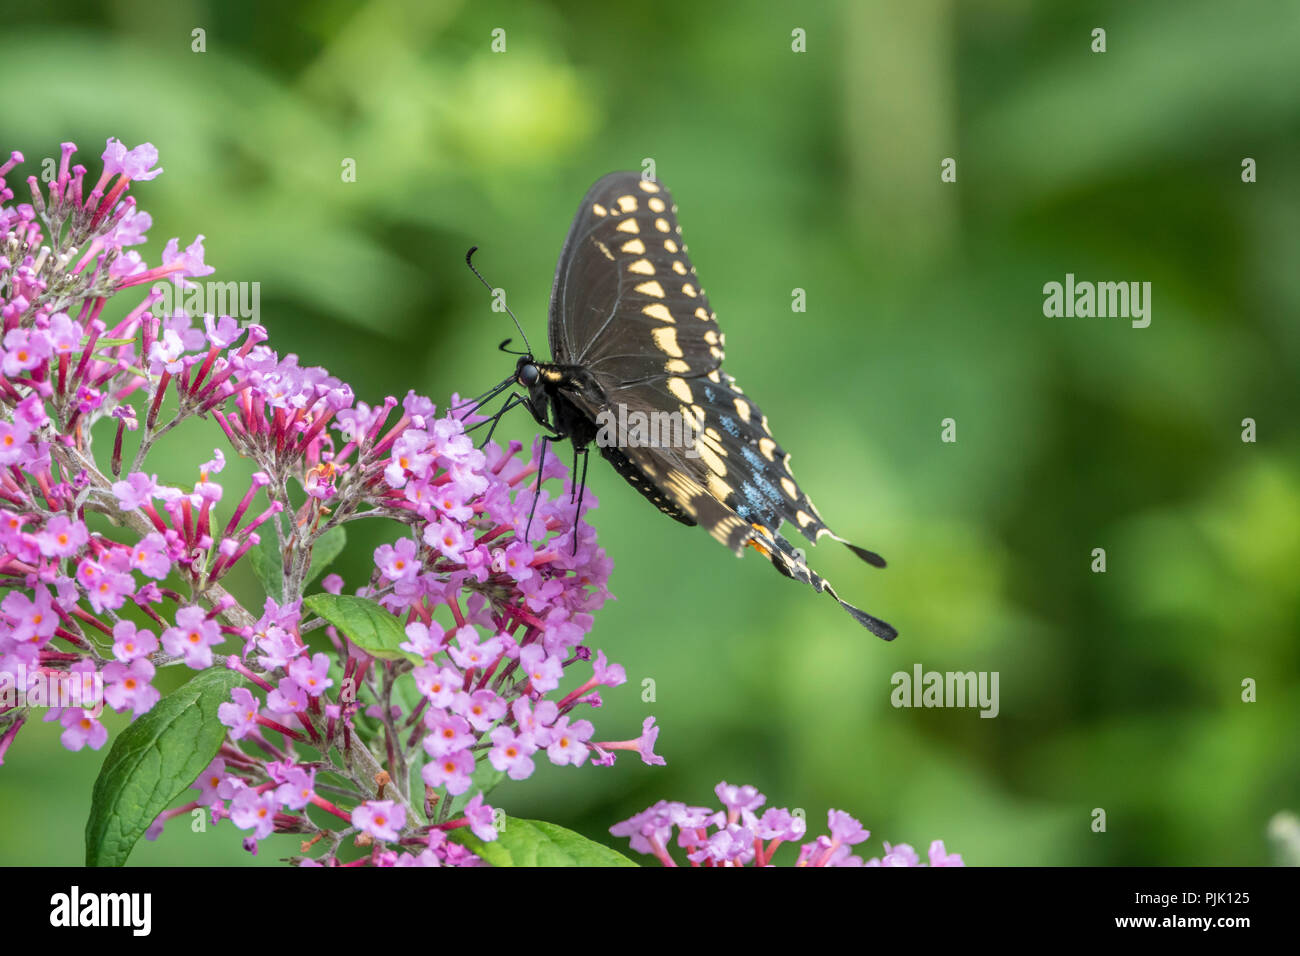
528 375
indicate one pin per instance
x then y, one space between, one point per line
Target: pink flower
127 685
24 350
448 733
253 811
130 643
62 537
13 442
240 713
150 557
567 741
450 772
298 788
36 618
382 819
81 730
135 163
512 753
312 675
137 491
208 782
482 818
192 638
190 261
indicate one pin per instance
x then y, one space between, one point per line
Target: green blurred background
815 170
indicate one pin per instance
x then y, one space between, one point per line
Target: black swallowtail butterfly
632 337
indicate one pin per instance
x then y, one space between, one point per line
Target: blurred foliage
819 171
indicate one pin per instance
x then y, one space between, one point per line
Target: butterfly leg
582 487
554 436
537 494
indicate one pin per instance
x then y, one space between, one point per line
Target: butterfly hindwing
731 477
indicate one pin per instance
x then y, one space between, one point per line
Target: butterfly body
633 339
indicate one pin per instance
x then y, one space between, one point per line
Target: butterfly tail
814 529
875 625
791 563
873 559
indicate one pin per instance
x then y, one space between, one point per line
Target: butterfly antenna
469 256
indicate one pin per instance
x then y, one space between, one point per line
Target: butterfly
635 343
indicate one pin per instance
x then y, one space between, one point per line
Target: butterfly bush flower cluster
109 574
738 835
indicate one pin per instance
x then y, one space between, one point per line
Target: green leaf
269 566
537 843
364 623
153 762
327 547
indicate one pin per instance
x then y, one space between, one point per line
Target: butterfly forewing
626 303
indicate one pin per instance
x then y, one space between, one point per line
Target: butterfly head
527 373
534 376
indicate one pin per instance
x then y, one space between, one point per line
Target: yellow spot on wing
633 246
599 210
742 409
683 489
689 289
768 448
679 388
790 488
713 440
641 267
627 203
657 204
628 225
679 268
651 288
661 224
647 186
670 245
666 339
718 488
658 311
710 458
676 366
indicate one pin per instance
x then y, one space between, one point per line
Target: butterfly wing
731 478
627 308
626 305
